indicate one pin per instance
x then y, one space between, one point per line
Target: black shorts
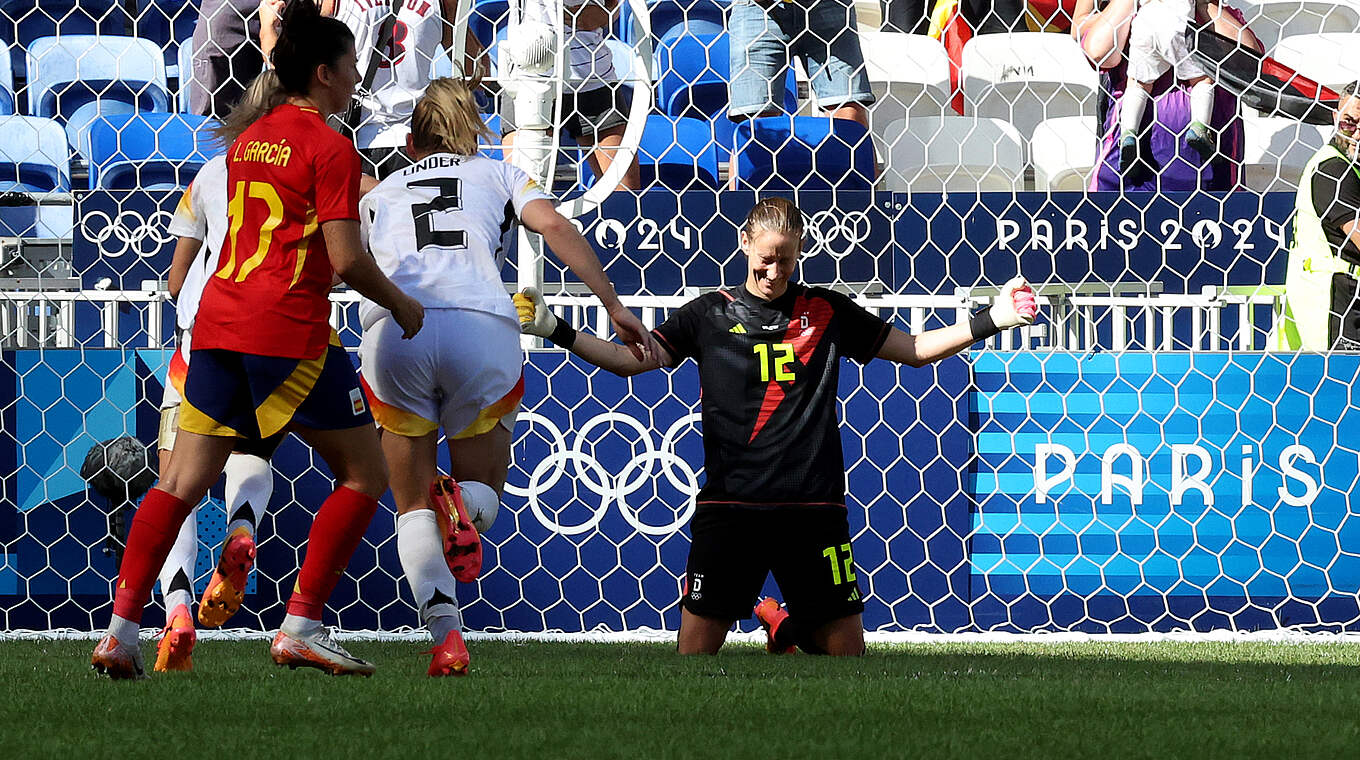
583 113
807 549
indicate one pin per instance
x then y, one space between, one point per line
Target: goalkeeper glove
535 318
1015 306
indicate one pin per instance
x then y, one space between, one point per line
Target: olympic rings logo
595 478
128 232
837 232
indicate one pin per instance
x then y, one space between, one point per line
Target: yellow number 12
774 359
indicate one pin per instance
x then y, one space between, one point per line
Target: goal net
1141 459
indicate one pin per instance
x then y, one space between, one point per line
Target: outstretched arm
1015 306
573 250
536 319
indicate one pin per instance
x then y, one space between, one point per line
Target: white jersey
403 74
591 62
201 215
439 230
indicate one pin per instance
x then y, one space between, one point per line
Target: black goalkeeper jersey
768 374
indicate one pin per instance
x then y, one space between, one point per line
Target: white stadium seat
1274 20
1027 77
954 154
1329 58
1275 151
1064 151
909 74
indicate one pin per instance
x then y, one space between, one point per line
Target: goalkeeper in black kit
774 499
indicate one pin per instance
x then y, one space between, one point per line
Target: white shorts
464 372
1158 42
173 395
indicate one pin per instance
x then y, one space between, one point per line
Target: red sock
154 529
336 532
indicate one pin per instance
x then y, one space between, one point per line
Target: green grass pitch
545 700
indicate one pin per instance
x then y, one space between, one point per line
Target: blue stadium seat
7 101
803 153
168 23
493 123
486 18
678 154
33 155
68 72
692 73
692 16
29 20
149 151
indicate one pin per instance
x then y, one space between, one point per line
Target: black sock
244 513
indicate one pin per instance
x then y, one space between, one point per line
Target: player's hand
633 334
535 318
271 13
1015 306
409 314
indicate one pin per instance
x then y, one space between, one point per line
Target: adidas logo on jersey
738 329
854 596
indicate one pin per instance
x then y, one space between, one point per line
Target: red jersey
286 175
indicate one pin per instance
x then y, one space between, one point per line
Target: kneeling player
774 501
437 229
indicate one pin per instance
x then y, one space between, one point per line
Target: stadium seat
7 100
692 73
1274 20
29 20
680 16
34 157
486 18
955 154
168 24
909 75
68 72
678 154
186 74
1276 149
1328 58
148 151
1064 151
1027 77
777 153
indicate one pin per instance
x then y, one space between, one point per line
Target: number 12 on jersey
774 360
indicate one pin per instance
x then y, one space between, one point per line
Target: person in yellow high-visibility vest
1321 311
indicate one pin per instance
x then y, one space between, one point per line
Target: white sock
250 483
177 574
296 625
481 502
124 630
1202 102
1131 108
422 560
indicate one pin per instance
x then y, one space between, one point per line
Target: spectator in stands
1103 33
764 34
393 83
1321 311
226 58
593 110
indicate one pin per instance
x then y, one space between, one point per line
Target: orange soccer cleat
117 660
771 615
462 545
176 650
451 657
227 589
317 650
